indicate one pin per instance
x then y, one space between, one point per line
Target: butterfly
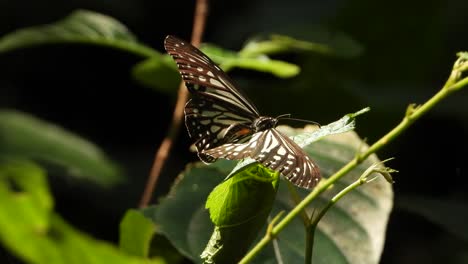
224 123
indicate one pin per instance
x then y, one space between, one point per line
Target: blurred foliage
34 232
24 136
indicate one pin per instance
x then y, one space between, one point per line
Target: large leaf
34 233
353 231
22 135
80 27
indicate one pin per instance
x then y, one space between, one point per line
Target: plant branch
310 234
177 116
412 114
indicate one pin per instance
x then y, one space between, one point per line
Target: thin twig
177 116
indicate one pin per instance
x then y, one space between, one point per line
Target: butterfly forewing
275 151
205 79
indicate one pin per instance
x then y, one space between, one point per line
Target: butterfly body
264 123
225 124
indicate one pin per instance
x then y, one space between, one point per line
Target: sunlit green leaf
136 232
22 135
34 233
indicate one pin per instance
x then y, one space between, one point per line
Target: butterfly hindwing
212 125
281 153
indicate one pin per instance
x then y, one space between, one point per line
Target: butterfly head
263 123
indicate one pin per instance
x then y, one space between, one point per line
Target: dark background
408 48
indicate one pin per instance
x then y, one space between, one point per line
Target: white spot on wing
281 151
239 148
216 82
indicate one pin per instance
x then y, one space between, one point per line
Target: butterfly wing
218 112
275 151
205 79
212 125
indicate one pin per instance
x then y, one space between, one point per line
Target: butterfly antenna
288 117
283 116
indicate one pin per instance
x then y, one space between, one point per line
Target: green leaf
236 224
158 72
310 40
136 232
22 135
80 27
34 233
353 231
25 210
259 62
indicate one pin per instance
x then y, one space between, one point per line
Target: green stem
335 199
309 244
450 86
459 85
